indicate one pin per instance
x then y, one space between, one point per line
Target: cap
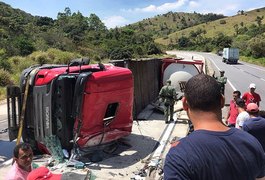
43 173
168 81
240 102
252 107
252 85
222 71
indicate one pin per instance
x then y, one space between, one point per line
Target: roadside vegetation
259 61
27 40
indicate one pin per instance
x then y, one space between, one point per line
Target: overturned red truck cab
93 103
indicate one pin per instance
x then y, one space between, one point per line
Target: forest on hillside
27 40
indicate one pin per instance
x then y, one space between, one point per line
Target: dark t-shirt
256 127
210 155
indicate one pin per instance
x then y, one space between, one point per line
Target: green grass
2 93
259 61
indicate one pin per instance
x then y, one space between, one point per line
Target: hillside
227 26
165 24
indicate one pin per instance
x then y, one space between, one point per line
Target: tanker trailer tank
180 71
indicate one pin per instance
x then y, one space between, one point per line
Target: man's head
240 103
253 109
236 95
252 87
203 93
222 73
23 155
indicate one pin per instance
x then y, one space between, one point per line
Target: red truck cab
90 105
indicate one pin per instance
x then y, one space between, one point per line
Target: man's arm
228 115
225 80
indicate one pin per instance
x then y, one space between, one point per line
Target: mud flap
13 110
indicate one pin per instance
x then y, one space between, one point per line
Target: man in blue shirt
255 125
213 151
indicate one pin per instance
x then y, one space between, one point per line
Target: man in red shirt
251 96
233 111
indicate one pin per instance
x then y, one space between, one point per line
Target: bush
120 53
19 63
5 78
257 47
222 21
61 57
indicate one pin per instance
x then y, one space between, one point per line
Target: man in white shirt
242 113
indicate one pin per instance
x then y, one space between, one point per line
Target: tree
183 42
236 28
24 45
66 13
257 46
121 53
222 41
259 20
152 49
95 24
4 64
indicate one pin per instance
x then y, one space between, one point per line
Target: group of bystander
214 150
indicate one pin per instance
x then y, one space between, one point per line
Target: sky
117 13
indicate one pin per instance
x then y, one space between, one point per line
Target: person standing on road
168 96
222 81
213 150
255 125
243 114
233 111
22 156
251 96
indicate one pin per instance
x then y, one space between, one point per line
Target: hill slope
163 25
227 26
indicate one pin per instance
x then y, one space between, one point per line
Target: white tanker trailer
179 71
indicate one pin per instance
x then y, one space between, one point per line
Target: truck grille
42 111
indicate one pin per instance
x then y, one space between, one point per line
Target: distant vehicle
230 55
219 52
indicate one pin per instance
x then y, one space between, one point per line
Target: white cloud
225 9
160 9
115 21
193 4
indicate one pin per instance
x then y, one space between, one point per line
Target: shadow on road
133 149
